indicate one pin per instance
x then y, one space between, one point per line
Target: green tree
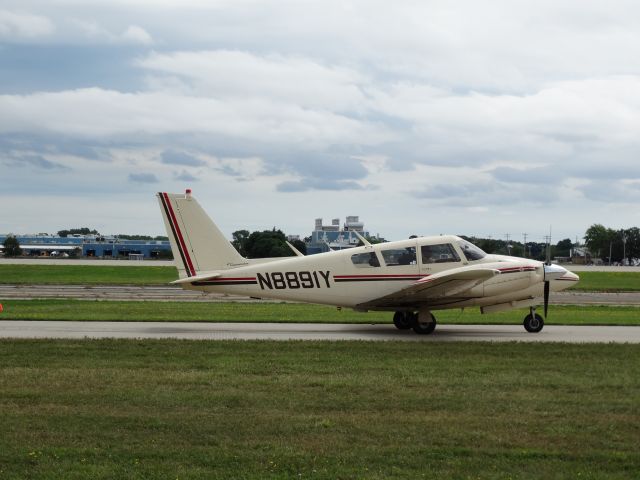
11 247
598 239
268 243
124 236
77 231
633 243
563 248
240 238
300 246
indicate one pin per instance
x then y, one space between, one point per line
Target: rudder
197 243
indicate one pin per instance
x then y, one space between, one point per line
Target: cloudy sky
425 117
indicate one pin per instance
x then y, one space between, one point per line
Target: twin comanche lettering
282 280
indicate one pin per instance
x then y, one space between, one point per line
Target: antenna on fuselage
362 239
294 249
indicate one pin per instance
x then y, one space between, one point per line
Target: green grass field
86 275
281 312
273 410
608 282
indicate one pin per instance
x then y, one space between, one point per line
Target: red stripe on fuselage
410 275
181 243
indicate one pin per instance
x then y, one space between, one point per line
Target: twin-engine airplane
409 277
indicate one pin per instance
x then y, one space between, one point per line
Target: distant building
334 237
581 256
97 246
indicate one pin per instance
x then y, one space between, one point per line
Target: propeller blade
546 298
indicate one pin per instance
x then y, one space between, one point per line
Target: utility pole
508 245
524 245
547 239
624 246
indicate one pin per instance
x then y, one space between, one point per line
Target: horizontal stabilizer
197 278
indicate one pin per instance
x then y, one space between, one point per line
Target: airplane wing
442 288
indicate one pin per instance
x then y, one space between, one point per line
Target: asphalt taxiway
312 331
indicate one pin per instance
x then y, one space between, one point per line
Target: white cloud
135 34
132 35
237 74
16 26
104 113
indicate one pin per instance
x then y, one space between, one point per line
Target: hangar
97 246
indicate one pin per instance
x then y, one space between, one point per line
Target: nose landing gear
533 322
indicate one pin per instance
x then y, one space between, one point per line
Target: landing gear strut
533 322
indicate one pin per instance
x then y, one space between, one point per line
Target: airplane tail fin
197 243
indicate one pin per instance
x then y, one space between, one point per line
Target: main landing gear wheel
533 323
425 328
404 320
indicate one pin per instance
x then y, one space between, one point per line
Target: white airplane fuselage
331 278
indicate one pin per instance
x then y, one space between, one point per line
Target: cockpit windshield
471 251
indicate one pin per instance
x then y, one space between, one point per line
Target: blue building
90 246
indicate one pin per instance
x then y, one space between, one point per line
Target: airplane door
437 258
401 260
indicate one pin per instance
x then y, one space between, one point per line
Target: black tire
533 324
425 328
404 320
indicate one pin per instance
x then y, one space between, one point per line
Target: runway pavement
312 331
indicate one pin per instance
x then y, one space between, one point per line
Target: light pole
624 246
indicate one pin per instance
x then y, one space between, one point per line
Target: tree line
606 243
613 245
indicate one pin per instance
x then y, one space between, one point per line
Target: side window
365 260
439 253
399 256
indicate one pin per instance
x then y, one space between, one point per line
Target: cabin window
365 260
471 251
442 253
399 256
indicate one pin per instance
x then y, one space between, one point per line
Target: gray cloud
612 192
185 176
308 184
37 161
546 175
175 157
143 178
484 193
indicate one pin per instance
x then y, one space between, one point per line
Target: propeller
547 263
546 297
551 272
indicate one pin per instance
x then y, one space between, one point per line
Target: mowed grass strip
608 281
84 310
256 410
86 275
